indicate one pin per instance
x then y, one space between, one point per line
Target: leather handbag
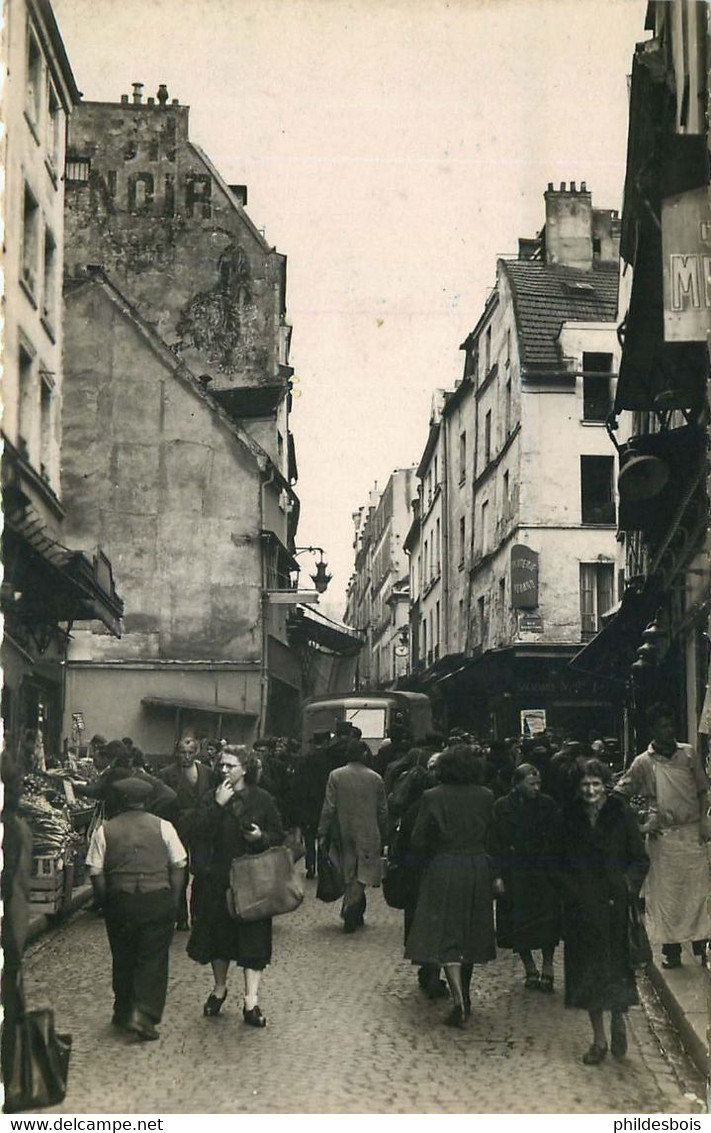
263 885
331 884
39 1067
640 950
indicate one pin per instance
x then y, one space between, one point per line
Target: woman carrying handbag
235 819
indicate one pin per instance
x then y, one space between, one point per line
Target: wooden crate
46 865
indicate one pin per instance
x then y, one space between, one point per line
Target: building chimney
175 102
124 100
151 101
137 92
162 94
569 227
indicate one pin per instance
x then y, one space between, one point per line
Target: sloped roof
547 295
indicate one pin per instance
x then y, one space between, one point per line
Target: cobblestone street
348 1032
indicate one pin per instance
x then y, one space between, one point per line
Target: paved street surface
348 1032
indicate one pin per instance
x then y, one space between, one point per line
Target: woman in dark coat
603 864
454 920
522 843
404 806
237 818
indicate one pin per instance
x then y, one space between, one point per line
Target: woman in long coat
522 843
235 819
603 864
353 823
454 920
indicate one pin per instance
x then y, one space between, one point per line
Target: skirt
215 935
454 918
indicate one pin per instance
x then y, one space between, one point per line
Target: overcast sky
392 149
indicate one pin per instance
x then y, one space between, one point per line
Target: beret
133 790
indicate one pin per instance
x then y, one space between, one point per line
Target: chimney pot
583 186
175 102
151 101
550 186
562 186
124 99
162 94
572 187
137 92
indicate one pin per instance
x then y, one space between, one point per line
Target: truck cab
374 713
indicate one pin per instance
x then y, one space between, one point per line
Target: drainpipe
264 677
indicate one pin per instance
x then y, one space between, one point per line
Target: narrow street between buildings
348 1032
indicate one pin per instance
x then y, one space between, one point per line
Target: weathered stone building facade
177 427
378 590
46 588
526 562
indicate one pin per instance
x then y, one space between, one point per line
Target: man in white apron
670 777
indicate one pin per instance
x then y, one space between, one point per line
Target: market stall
59 823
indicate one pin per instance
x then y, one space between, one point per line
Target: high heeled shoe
213 1004
595 1055
455 1017
253 1017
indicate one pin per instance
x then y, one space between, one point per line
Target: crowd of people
518 844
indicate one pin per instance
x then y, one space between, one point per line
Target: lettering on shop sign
686 247
524 577
148 194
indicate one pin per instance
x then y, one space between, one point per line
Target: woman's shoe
455 1017
253 1017
213 1004
546 983
618 1037
595 1055
532 982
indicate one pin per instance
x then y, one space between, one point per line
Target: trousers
140 928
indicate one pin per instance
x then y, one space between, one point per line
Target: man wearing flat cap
137 865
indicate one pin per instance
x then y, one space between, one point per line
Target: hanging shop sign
686 248
524 577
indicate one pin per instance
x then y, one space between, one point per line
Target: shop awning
309 625
172 703
611 652
56 583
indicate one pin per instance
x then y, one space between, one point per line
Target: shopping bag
640 950
331 884
263 885
294 841
38 1073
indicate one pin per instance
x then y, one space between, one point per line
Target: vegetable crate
48 882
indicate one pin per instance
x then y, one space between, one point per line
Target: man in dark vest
137 866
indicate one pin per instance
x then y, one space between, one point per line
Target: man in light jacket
354 822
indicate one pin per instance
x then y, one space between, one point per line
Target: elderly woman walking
354 824
453 926
602 866
522 844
